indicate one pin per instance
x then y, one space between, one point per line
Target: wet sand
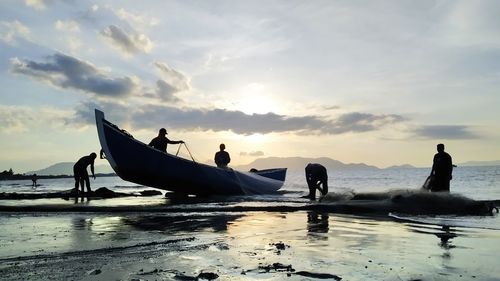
381 203
301 245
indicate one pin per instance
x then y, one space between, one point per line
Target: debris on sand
278 267
201 276
207 276
154 271
280 246
318 275
95 272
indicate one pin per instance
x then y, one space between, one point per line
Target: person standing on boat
80 171
442 167
222 158
161 141
317 178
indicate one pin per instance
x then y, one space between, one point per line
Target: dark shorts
440 183
80 173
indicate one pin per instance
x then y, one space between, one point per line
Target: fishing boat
135 161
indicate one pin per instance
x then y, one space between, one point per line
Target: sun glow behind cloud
255 98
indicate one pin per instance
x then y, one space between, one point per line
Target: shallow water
242 245
481 183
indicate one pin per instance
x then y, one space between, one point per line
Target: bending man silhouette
442 169
80 171
316 176
222 158
160 142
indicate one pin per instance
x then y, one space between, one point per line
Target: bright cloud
10 31
128 43
178 79
172 79
74 43
137 19
36 4
69 25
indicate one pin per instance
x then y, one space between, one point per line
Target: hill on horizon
292 163
480 163
299 163
66 168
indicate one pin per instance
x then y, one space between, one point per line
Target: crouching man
316 178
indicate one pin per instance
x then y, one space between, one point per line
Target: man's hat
163 131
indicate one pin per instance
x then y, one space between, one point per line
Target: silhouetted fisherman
317 178
442 168
222 157
34 178
80 171
160 142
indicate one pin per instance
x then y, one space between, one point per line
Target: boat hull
137 162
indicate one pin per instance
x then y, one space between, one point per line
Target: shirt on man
222 159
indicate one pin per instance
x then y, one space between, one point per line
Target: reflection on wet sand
317 223
89 232
83 200
181 224
445 236
445 233
82 232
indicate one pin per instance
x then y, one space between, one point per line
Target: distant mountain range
405 166
299 163
480 163
66 168
292 163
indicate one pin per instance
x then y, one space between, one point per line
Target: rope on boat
179 148
189 152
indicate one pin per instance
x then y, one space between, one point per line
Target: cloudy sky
379 82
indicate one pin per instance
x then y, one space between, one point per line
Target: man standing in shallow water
80 171
34 179
442 168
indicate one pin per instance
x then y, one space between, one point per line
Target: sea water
480 183
235 244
